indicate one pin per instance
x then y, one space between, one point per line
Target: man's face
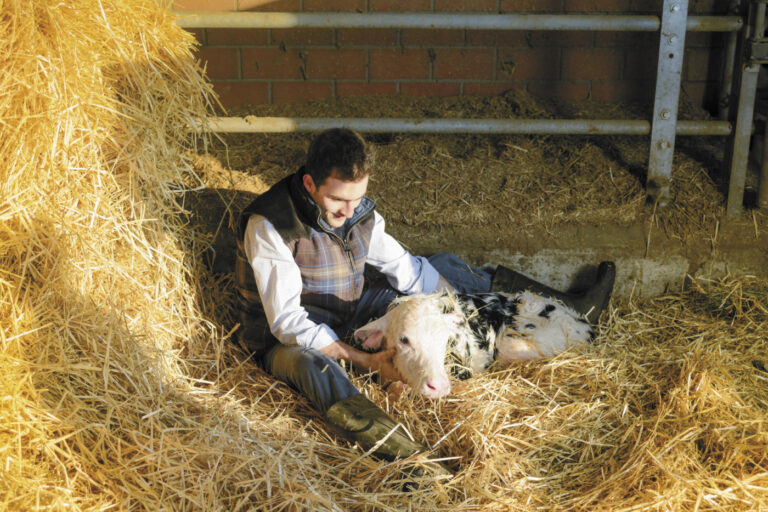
337 198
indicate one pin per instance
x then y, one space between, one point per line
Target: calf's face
419 331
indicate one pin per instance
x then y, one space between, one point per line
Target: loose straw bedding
494 185
120 391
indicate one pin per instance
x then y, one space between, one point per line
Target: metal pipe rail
664 126
253 124
227 19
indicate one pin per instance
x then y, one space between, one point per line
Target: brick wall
255 66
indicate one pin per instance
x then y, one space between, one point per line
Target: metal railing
663 127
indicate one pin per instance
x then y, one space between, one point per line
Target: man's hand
377 361
444 286
382 363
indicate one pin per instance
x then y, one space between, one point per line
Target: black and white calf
478 329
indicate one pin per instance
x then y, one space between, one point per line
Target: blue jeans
321 378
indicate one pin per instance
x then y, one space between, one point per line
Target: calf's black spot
549 308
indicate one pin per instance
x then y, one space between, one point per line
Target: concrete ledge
563 257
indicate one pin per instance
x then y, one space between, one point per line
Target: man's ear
309 183
372 334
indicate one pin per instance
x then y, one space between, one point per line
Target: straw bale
120 390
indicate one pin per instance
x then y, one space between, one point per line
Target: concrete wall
249 66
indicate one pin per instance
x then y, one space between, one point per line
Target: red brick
233 94
303 36
542 63
429 37
199 35
323 63
399 5
645 6
219 62
491 88
436 89
393 64
365 88
641 64
704 39
560 89
477 64
204 5
627 39
696 64
466 6
567 39
596 6
708 7
366 37
269 5
497 38
334 5
623 90
531 6
289 92
703 94
237 36
271 63
591 64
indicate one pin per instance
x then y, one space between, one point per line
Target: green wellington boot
589 303
362 421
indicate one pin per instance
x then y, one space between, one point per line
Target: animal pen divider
672 25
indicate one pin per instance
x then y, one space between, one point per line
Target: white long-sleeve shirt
279 280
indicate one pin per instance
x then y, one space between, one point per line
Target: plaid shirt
331 266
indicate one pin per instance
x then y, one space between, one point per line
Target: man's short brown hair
341 150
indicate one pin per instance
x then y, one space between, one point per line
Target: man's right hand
382 363
376 361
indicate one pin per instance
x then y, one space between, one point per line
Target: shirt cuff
322 337
429 276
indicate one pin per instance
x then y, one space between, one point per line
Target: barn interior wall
260 66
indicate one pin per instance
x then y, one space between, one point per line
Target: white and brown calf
476 329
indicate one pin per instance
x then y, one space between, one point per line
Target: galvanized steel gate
746 51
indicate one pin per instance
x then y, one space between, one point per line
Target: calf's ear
372 334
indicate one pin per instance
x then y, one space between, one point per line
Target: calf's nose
436 388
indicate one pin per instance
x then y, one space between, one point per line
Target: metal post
741 115
762 191
668 76
724 98
737 149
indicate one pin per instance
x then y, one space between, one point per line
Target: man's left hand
444 286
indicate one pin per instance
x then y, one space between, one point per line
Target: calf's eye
404 340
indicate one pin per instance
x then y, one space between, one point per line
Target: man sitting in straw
302 249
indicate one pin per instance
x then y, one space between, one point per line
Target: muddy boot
590 303
360 420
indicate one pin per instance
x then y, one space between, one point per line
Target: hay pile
119 391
